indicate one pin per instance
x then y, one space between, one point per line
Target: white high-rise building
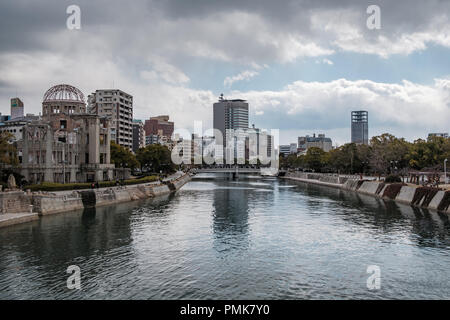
118 105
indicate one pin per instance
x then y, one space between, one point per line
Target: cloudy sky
302 65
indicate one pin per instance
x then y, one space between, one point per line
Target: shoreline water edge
416 196
19 206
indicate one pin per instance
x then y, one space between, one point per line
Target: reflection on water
219 238
230 217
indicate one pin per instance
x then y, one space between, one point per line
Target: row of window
114 93
11 130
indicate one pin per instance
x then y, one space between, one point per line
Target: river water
218 238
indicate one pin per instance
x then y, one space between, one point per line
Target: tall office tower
138 135
16 108
360 127
270 145
117 105
230 114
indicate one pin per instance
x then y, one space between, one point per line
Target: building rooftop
63 92
318 139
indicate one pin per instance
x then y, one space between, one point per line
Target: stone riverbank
19 207
425 197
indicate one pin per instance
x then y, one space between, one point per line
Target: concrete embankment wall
45 203
317 177
14 201
425 197
406 194
54 203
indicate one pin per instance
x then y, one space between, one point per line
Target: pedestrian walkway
7 219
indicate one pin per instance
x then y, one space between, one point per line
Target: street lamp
445 171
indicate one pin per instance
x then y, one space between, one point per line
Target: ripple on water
250 238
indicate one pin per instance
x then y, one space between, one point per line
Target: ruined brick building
67 144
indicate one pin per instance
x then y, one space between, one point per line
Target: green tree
315 159
122 157
429 154
156 157
363 153
388 153
8 151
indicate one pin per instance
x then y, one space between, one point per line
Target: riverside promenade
437 199
19 207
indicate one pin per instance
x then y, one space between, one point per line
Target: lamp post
445 171
393 166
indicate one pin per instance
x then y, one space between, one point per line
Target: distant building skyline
359 122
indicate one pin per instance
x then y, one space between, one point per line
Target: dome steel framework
64 92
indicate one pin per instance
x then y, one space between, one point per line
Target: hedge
393 178
49 186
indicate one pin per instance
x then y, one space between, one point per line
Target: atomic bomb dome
63 98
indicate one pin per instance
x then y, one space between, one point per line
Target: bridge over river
240 170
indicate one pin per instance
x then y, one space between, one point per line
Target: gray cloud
261 31
143 46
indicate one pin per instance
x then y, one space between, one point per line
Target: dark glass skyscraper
230 114
360 127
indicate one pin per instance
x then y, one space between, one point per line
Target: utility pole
64 158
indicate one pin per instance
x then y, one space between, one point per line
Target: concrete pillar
94 140
48 167
25 153
98 175
73 175
108 143
110 174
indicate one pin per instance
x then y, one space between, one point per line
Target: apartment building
118 106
